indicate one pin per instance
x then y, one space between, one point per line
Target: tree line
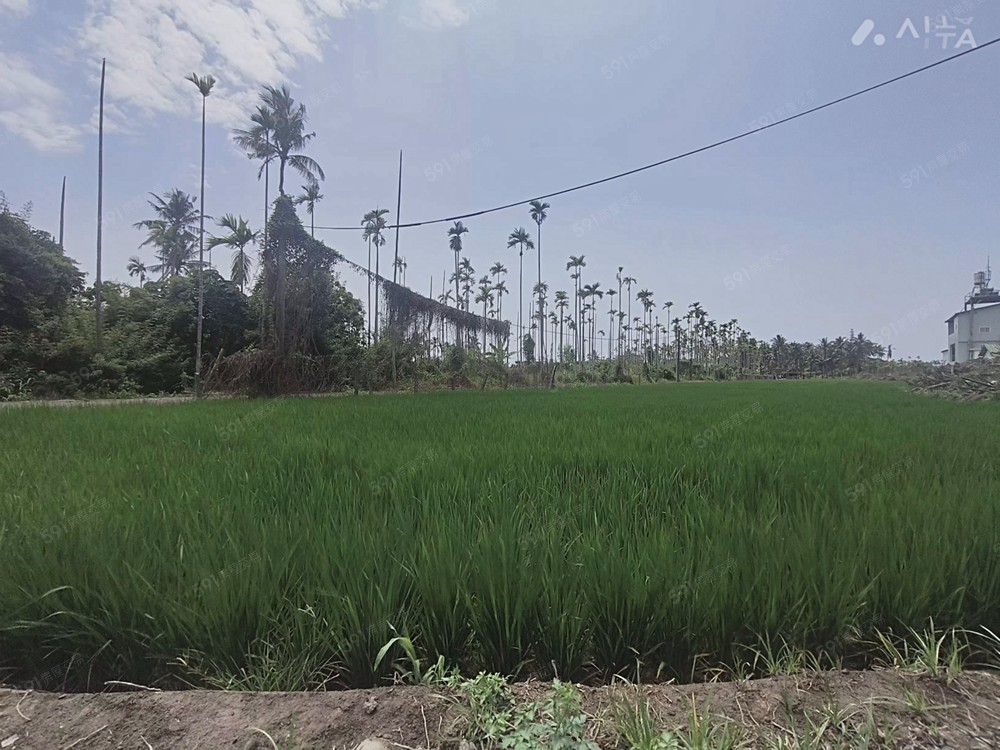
283 314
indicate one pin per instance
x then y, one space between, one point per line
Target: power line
686 154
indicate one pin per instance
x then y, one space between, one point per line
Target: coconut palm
136 267
539 214
287 136
522 240
171 232
278 136
455 243
240 235
257 141
310 197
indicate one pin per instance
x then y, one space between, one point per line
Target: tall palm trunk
377 277
629 307
520 302
369 311
541 310
201 258
267 186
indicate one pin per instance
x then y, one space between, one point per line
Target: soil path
910 713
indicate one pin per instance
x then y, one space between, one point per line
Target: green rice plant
579 532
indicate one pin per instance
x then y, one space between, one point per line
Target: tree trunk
541 322
520 303
369 311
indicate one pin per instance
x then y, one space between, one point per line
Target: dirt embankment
907 712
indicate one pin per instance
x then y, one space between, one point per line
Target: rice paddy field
656 530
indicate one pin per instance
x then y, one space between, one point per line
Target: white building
974 332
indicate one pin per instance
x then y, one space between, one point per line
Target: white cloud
151 45
15 7
30 107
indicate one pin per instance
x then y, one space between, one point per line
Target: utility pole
395 260
62 214
98 337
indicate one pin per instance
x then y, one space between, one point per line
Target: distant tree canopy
46 316
37 280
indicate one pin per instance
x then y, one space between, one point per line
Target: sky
871 215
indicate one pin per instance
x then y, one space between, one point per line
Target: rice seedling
586 529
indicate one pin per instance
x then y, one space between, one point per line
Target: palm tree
498 270
578 263
667 306
592 291
455 243
287 135
484 296
171 232
136 267
611 328
204 84
277 136
310 197
562 302
539 214
374 222
467 274
399 265
520 238
240 235
628 281
257 141
644 297
778 344
540 292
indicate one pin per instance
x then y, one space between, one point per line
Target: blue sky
828 223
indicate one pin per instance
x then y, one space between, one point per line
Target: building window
951 327
984 329
952 352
